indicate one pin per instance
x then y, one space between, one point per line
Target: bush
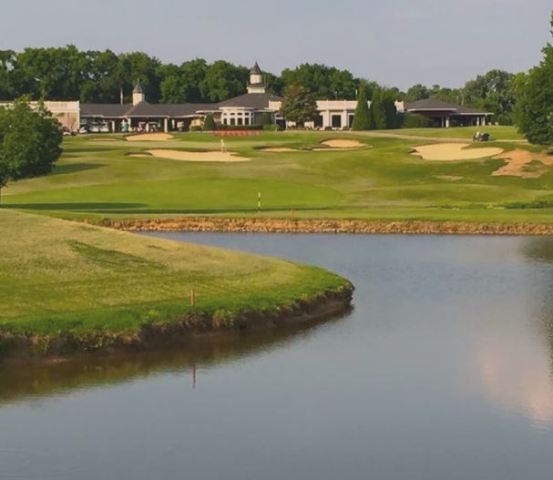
209 123
266 119
413 120
196 128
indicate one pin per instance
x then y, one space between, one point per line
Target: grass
467 133
96 178
58 277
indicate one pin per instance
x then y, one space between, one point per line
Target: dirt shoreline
290 225
29 348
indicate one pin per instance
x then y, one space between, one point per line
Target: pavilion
445 115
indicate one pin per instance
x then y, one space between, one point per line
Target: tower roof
138 88
255 70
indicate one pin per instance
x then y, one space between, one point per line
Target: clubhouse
445 115
245 110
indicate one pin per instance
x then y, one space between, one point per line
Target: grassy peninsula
67 287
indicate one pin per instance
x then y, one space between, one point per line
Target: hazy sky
396 42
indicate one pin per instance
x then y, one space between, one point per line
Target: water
442 371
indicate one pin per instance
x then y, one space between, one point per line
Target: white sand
149 137
184 156
342 143
455 152
279 149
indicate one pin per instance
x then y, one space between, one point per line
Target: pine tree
361 119
378 111
209 123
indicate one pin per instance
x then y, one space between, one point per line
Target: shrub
412 120
209 123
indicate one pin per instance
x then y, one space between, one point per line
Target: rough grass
58 276
96 178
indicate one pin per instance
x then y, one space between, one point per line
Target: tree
534 111
321 81
362 117
378 111
417 92
224 80
209 123
299 105
494 92
30 141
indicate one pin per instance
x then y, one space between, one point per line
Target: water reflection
19 382
516 361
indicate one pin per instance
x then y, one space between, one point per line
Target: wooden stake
193 297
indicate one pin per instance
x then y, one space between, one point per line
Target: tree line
100 76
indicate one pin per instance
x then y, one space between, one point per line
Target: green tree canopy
30 141
321 81
299 105
534 112
362 117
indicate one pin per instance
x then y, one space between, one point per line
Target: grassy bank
98 178
69 287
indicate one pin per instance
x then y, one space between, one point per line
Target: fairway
57 276
290 173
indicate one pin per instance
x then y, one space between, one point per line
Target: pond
443 370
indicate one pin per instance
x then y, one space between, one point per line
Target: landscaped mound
455 152
68 287
149 137
525 164
184 156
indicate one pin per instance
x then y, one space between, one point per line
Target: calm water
443 371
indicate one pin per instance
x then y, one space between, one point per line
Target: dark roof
257 101
104 109
430 104
175 110
255 70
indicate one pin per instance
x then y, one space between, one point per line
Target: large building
244 110
445 115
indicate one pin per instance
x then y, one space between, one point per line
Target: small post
258 201
193 297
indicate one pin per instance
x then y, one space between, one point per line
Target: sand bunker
139 155
521 163
149 137
184 156
455 152
343 143
278 149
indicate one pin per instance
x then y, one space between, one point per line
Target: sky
395 42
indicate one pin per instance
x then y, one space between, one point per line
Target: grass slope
58 276
96 178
